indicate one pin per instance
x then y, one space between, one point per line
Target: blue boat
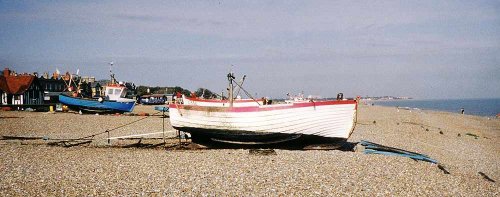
113 100
96 105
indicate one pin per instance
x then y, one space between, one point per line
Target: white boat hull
330 119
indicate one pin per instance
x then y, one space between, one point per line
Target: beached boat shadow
340 146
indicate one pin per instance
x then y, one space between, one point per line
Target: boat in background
113 101
153 99
309 122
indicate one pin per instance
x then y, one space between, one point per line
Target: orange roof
15 84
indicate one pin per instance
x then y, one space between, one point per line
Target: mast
113 80
230 78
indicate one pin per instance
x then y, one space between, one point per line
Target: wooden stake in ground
163 121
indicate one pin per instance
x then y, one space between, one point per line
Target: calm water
480 107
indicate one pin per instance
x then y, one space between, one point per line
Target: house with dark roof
52 87
20 89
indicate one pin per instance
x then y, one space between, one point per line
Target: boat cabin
115 92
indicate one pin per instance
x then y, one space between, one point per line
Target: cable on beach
69 142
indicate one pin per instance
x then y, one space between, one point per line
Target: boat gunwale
97 108
92 99
222 101
262 107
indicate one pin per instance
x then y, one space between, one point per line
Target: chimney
55 75
6 72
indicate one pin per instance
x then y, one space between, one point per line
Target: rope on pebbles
90 138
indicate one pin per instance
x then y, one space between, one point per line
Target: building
52 88
20 89
88 79
97 87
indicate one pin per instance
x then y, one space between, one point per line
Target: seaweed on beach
262 152
473 135
441 167
486 177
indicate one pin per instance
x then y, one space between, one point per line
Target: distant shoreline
486 107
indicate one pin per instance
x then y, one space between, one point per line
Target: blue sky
422 49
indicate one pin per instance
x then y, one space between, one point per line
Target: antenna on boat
111 74
79 81
230 78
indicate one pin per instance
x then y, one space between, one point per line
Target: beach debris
405 108
359 148
8 137
262 152
374 122
428 130
486 177
161 108
419 124
459 135
68 144
373 148
473 135
143 114
441 132
441 167
6 108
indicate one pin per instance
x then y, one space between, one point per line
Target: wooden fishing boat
312 121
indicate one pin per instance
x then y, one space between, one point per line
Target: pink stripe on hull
222 101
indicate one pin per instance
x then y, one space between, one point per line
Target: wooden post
163 118
109 140
179 135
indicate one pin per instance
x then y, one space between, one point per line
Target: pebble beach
466 146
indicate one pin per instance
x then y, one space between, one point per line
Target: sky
420 49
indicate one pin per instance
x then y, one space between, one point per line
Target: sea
479 107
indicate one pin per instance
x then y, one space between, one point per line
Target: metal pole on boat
230 77
111 72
